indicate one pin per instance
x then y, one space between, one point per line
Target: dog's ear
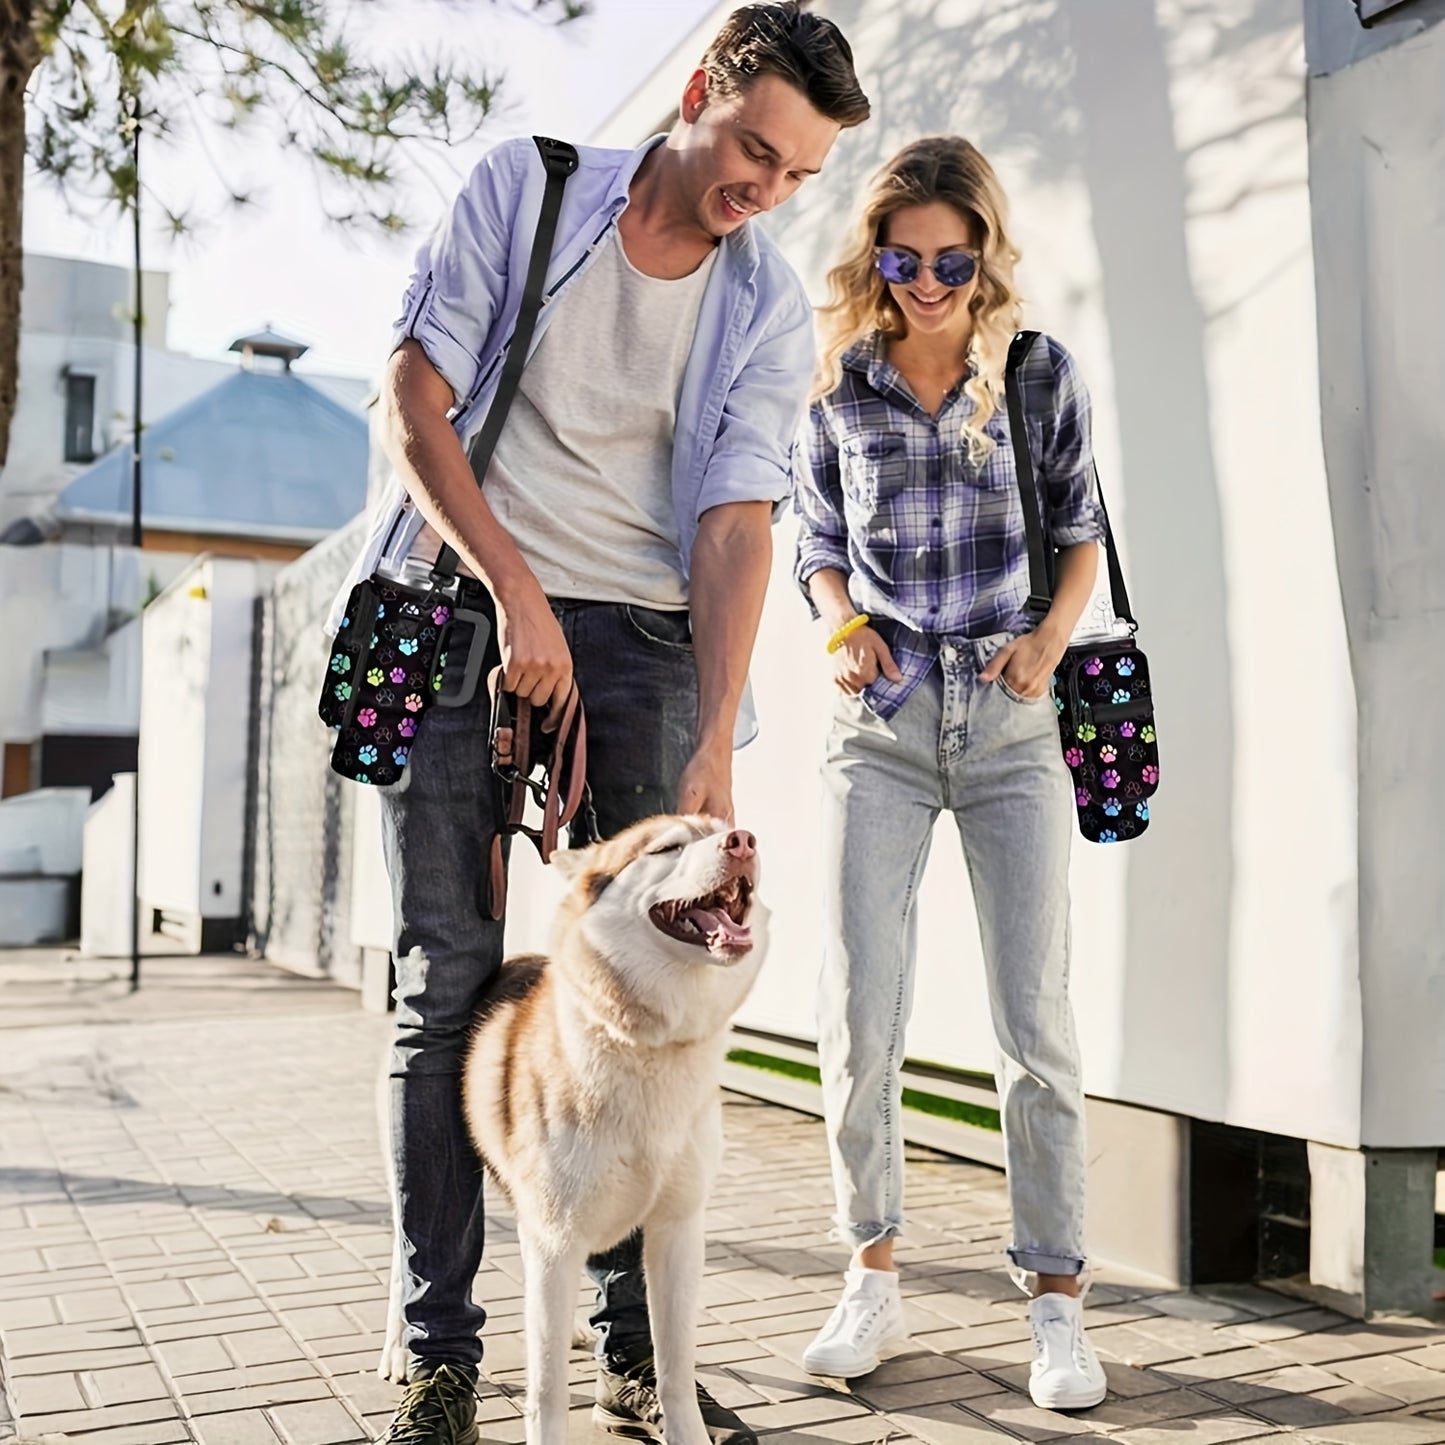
570 862
582 863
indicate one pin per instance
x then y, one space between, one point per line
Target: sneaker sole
863 1367
1062 1401
628 1426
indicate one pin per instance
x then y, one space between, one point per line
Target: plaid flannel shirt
932 543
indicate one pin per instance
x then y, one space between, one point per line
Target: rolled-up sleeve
461 274
1068 457
751 460
818 501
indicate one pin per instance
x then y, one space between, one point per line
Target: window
79 418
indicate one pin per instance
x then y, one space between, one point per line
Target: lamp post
138 321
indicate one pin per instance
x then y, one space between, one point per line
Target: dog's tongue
721 932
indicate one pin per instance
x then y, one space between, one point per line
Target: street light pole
138 321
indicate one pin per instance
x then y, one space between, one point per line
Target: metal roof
262 453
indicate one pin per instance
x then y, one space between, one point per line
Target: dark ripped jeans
635 671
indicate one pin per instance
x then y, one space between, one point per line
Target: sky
281 262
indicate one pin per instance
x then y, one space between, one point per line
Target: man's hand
860 659
536 664
1027 663
707 783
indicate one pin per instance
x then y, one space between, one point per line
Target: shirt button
950 653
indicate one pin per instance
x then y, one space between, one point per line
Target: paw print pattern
375 676
399 757
440 615
1108 836
398 675
366 755
1146 733
1126 730
407 727
1094 666
413 702
407 646
1112 807
1074 757
1110 779
1083 798
1150 773
1122 694
340 663
1125 667
1107 754
366 717
1141 810
342 691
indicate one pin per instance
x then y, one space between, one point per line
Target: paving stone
318 1422
194 1357
27 1314
1380 1430
127 1384
236 1427
76 1360
1408 1382
159 1432
1202 1430
946 1425
46 1394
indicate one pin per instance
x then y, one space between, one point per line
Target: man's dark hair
804 49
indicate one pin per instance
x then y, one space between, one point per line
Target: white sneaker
866 1320
1066 1372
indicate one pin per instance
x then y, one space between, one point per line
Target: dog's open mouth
717 922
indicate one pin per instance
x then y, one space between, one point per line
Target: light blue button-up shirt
747 374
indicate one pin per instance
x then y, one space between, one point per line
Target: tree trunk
19 55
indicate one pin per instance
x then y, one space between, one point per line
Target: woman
912 551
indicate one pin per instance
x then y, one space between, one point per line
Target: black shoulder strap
1041 591
560 159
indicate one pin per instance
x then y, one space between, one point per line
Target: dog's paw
583 1337
391 1367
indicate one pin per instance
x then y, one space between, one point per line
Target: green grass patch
916 1099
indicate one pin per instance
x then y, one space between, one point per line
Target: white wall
195 707
1155 156
1378 174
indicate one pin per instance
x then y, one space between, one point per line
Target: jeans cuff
1041 1261
860 1236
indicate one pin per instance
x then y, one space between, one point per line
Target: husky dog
591 1087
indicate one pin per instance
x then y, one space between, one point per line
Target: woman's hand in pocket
1027 663
860 659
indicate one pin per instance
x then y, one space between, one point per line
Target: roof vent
267 342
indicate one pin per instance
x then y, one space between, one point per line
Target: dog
591 1089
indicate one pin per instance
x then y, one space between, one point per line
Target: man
622 538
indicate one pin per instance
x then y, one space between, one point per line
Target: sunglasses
901 268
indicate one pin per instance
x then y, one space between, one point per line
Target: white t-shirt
582 476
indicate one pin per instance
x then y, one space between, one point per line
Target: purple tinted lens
956 268
898 268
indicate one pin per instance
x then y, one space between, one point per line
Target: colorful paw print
1073 757
366 717
436 683
439 615
398 675
1141 811
345 622
1112 807
407 645
1094 666
1109 778
1122 694
385 697
340 663
1082 797
1108 836
366 755
1150 773
1107 754
1126 730
1058 701
413 702
374 639
399 757
1088 732
375 676
1146 733
363 777
342 691
407 727
1125 667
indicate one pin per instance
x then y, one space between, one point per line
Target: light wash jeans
993 761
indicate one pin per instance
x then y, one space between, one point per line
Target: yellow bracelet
847 630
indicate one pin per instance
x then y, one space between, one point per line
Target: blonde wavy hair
938 168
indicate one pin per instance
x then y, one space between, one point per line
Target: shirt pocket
997 471
873 466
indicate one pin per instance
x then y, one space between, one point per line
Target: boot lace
439 1406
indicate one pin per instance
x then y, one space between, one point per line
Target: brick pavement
193 1247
